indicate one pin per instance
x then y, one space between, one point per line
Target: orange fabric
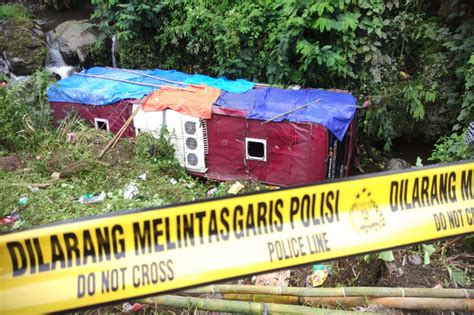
196 104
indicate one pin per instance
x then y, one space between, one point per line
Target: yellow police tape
131 254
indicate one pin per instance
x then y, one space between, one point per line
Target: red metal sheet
296 153
116 113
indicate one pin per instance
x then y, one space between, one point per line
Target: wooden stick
45 185
117 136
156 78
290 111
235 306
132 82
410 303
346 291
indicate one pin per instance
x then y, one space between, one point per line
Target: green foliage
24 113
451 148
15 12
144 54
159 151
413 62
63 4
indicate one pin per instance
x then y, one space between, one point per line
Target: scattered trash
128 308
278 278
23 201
142 177
438 286
33 188
212 191
173 181
90 198
55 175
131 191
319 274
10 218
235 188
38 157
71 138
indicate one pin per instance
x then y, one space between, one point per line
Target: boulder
74 40
397 164
22 46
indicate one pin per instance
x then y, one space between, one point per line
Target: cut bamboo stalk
439 304
408 303
334 292
290 111
157 78
122 129
132 82
235 306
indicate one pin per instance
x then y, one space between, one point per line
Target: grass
15 12
82 173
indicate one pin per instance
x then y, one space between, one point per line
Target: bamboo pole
408 303
335 292
132 82
290 111
156 78
122 129
235 306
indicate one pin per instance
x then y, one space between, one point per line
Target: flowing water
54 60
114 51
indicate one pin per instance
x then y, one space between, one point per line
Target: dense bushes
403 57
24 113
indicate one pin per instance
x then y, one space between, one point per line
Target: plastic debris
71 138
211 192
173 181
131 191
235 188
129 308
319 274
90 198
55 175
23 201
142 177
10 218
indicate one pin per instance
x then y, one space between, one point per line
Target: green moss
18 40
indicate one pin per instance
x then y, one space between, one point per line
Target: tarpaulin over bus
97 91
334 110
192 101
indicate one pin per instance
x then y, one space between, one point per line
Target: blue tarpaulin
334 110
87 90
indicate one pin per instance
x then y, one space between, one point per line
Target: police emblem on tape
365 215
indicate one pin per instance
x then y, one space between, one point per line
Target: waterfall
54 60
114 51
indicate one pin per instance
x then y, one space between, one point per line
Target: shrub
15 12
25 116
451 148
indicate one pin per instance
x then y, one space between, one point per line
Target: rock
10 163
22 46
415 259
75 39
397 164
